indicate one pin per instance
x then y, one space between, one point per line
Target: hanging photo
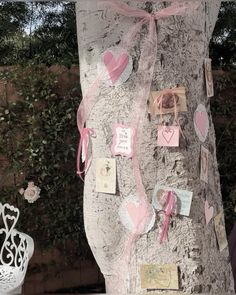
204 159
209 78
164 102
220 231
201 122
116 65
106 175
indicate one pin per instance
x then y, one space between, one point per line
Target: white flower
32 193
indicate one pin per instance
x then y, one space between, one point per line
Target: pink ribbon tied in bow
169 207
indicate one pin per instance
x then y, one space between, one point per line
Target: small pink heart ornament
201 122
117 65
209 212
168 136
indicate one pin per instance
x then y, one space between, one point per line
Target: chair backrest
16 248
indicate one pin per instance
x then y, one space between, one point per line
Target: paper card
220 231
168 136
209 212
208 77
201 122
123 140
116 66
204 159
168 102
184 199
106 175
137 217
154 276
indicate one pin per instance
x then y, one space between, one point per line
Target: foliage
223 43
50 38
39 139
223 110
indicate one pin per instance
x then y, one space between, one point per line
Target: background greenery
39 134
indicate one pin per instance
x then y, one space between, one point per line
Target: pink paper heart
201 122
168 134
115 66
138 214
209 211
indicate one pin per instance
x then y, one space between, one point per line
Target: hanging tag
106 175
168 136
154 276
204 164
184 198
220 231
208 77
209 212
123 140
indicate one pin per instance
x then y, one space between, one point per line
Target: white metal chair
16 249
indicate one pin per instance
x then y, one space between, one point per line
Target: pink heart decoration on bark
115 66
209 212
168 134
201 119
138 214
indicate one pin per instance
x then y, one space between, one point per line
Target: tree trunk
182 46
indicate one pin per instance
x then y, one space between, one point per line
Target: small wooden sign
168 104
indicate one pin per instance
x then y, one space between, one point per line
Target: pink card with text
123 140
168 136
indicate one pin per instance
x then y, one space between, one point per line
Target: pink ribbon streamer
143 78
84 145
169 207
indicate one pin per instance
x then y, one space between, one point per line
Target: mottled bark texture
182 46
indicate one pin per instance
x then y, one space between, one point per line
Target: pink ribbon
146 64
143 78
84 146
169 207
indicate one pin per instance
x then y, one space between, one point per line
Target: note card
154 276
208 77
184 198
123 140
220 231
106 175
204 164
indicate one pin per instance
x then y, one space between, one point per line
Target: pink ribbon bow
169 207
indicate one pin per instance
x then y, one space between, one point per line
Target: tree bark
182 46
